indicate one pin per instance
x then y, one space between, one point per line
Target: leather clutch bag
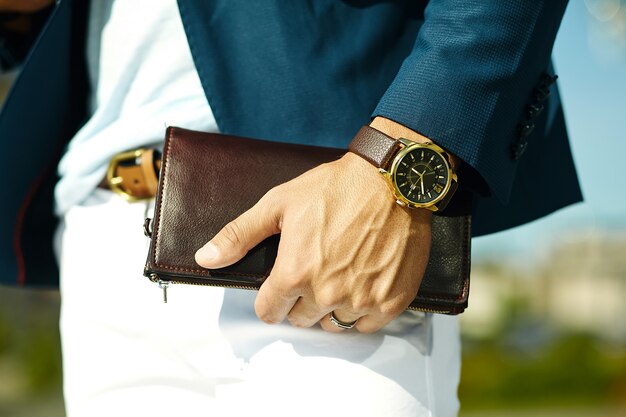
209 179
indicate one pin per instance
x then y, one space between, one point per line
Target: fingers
307 313
286 283
373 323
287 294
273 302
367 323
344 317
242 234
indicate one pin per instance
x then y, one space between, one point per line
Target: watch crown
384 173
401 203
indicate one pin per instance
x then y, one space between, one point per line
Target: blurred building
578 286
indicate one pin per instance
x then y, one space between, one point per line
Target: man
470 77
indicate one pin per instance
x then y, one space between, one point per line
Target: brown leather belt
134 175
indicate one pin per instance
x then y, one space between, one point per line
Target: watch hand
414 170
422 183
418 174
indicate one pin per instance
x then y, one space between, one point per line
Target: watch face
421 176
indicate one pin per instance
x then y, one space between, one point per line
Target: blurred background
545 334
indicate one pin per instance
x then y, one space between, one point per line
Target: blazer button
542 93
518 148
535 110
548 79
526 129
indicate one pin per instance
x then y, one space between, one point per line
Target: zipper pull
163 285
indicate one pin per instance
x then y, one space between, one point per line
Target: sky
591 65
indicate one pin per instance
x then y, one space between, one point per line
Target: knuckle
267 317
367 329
362 303
392 308
232 234
297 284
298 322
268 211
273 197
328 298
264 310
289 268
272 194
294 278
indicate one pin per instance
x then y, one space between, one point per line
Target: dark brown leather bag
209 179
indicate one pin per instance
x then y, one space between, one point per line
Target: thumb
235 239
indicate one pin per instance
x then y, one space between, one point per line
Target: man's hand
345 247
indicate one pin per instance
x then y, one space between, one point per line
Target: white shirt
143 79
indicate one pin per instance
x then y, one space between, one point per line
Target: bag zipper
164 285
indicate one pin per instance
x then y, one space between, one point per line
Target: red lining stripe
19 223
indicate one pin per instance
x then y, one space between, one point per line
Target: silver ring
341 324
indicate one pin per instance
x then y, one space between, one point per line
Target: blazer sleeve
470 77
18 32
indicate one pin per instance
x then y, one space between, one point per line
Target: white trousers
204 353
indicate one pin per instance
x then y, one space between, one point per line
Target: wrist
397 131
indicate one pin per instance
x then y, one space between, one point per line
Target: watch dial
421 175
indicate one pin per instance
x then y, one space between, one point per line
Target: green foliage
570 371
5 334
29 339
41 359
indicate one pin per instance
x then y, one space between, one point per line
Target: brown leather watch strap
374 146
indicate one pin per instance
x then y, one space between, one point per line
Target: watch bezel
409 147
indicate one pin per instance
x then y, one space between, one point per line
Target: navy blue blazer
471 75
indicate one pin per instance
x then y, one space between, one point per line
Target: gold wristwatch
420 174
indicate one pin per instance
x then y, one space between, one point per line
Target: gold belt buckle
115 182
